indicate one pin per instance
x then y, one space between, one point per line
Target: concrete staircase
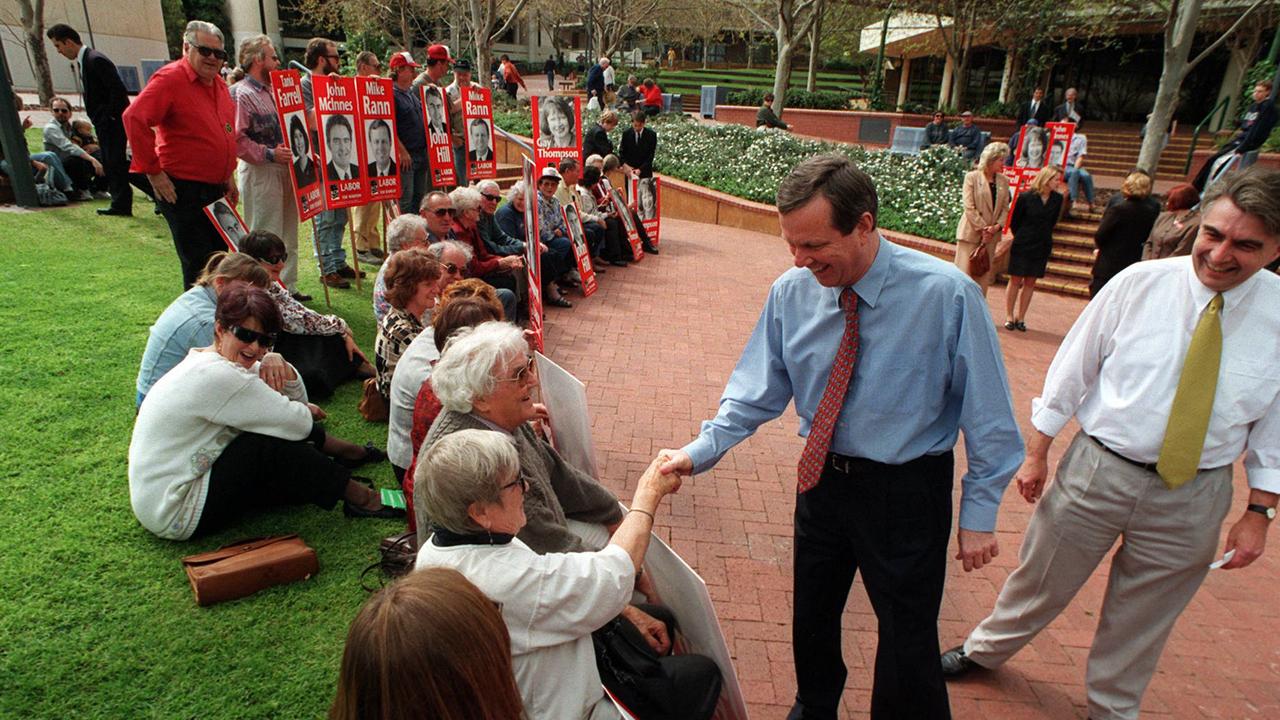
1113 150
1071 262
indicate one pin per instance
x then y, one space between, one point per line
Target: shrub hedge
816 100
918 195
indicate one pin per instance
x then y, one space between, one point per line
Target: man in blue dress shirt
883 381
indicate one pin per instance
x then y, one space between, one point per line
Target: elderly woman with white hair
986 204
404 232
485 380
498 241
493 269
474 485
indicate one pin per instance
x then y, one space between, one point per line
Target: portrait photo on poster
304 163
1035 147
481 136
340 148
379 143
556 122
434 106
575 230
648 198
227 222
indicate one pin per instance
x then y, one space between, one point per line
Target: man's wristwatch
1269 512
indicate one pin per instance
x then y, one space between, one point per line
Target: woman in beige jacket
986 204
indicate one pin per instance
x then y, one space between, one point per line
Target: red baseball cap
402 60
439 52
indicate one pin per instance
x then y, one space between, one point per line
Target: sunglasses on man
265 340
441 212
494 198
211 52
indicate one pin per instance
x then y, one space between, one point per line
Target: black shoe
386 512
1021 326
651 250
618 263
301 297
597 268
1010 325
559 302
347 272
371 455
955 663
109 211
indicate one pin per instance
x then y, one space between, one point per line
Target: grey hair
991 152
436 249
253 49
403 229
465 372
461 468
465 198
516 189
486 185
1256 191
593 159
200 26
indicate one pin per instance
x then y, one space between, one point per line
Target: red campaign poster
286 88
341 148
578 236
439 145
477 115
557 129
1060 134
628 223
532 255
645 196
227 222
378 128
1019 179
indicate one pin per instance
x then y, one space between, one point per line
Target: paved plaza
655 347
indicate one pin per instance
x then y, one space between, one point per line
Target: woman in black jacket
1034 215
1124 228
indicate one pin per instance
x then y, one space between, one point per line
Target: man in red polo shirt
182 131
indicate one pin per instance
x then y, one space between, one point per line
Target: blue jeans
551 81
330 226
1074 177
460 163
413 187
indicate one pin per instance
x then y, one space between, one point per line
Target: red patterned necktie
823 426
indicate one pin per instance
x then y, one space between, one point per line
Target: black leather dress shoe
109 211
371 455
955 663
386 512
651 250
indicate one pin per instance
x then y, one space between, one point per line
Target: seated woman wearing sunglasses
213 441
320 347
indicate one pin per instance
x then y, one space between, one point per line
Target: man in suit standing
1035 109
481 143
105 99
1069 111
636 154
340 141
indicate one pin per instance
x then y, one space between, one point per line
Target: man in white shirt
1160 427
1076 174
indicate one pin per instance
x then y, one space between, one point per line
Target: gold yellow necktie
1193 402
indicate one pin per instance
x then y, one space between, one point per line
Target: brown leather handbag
373 407
979 261
245 567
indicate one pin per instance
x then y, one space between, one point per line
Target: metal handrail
528 149
1220 108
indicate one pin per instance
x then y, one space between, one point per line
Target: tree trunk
751 48
1180 33
406 37
782 73
815 41
32 12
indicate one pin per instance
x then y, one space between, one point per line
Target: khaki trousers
1168 538
266 193
364 221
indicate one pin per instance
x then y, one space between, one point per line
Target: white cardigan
184 424
551 604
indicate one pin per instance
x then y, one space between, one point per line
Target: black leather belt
1149 467
851 465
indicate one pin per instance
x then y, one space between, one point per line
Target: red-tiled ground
655 347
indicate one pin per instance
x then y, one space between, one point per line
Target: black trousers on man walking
892 523
115 166
193 232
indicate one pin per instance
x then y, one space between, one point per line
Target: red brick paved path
655 347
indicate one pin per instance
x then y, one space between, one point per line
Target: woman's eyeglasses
441 212
523 373
265 340
519 482
208 51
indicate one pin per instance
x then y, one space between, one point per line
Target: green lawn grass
758 78
98 620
